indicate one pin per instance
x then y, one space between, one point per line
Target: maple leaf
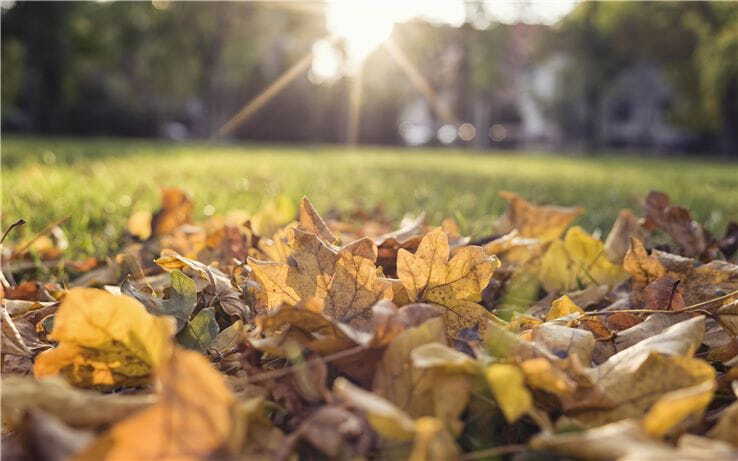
343 284
457 285
105 340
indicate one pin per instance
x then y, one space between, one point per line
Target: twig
43 232
20 222
693 308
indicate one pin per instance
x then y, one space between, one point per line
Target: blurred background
370 108
659 77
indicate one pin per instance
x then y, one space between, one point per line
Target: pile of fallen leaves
314 339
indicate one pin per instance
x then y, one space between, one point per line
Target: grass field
98 183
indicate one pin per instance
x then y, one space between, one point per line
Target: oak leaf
429 276
105 340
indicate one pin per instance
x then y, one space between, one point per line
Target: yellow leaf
561 307
508 387
190 421
542 222
674 407
433 442
541 374
457 285
305 273
579 259
105 340
388 420
139 224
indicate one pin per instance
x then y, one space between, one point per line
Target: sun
364 25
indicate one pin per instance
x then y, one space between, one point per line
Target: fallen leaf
625 228
507 383
200 332
578 260
75 407
561 307
674 407
677 222
543 222
176 210
105 340
191 419
457 285
388 420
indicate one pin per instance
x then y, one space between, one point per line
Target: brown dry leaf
543 222
105 340
418 372
192 418
316 331
176 210
677 222
388 420
311 221
457 285
577 260
636 378
725 429
625 228
77 408
643 268
343 285
397 380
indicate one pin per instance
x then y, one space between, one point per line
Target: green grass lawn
99 182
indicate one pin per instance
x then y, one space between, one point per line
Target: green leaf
201 331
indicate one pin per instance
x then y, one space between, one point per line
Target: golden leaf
105 340
176 209
507 384
433 442
541 374
192 418
579 259
457 285
675 406
139 224
343 285
642 267
542 222
561 307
